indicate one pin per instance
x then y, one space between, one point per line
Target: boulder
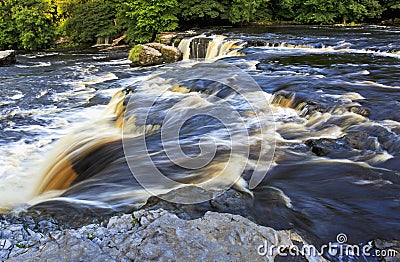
153 54
7 57
142 55
170 54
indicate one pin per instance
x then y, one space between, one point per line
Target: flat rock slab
155 235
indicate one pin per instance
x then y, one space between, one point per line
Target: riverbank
142 236
145 236
154 235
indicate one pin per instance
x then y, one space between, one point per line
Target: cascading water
203 47
334 104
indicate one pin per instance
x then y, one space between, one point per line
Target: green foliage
357 11
284 9
134 53
148 17
34 24
316 11
90 20
391 9
205 10
26 24
8 31
245 10
392 4
326 11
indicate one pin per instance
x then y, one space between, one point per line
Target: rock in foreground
150 236
7 57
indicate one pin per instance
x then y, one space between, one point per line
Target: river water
327 107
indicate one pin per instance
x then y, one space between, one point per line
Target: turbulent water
332 125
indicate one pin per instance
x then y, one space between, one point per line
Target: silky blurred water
335 98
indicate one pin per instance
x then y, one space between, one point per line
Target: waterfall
184 47
206 47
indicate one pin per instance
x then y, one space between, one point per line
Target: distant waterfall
206 47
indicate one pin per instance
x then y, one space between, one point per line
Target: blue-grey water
335 98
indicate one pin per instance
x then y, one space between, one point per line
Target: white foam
40 64
124 61
372 83
17 96
329 49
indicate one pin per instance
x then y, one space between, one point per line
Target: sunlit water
334 96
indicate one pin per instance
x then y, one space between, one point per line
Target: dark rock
231 201
7 57
198 47
334 148
359 110
318 146
169 54
256 42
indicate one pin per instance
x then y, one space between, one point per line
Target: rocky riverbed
146 235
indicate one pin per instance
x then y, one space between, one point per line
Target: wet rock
182 35
166 37
256 42
174 38
231 201
318 147
7 57
153 54
142 55
334 148
359 110
169 54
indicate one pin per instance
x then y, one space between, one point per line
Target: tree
331 11
357 11
34 24
391 9
204 11
148 17
283 9
89 20
26 24
316 11
245 10
8 31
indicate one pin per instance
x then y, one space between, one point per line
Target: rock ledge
148 236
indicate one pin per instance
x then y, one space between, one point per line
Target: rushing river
333 120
